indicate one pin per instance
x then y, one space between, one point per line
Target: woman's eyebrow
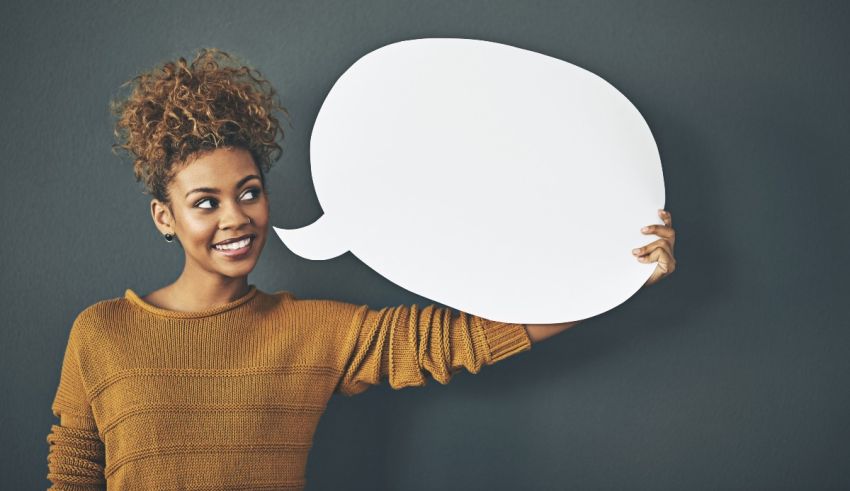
216 190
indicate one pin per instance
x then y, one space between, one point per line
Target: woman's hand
661 250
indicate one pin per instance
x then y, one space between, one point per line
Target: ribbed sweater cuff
504 340
75 487
80 421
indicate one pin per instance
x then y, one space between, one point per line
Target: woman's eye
198 204
253 192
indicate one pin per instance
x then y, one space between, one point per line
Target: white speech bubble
495 180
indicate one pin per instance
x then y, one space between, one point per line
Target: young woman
210 383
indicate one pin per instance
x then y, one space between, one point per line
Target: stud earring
169 237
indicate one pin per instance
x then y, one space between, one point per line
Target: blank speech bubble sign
495 180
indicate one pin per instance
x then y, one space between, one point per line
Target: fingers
660 243
666 262
665 230
661 250
666 217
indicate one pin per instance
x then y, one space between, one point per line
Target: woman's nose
234 217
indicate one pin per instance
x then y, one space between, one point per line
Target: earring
169 237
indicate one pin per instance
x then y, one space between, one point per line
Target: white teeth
234 245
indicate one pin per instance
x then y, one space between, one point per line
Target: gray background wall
731 374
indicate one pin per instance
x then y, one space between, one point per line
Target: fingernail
645 229
635 251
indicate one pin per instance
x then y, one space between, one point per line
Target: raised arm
540 332
404 344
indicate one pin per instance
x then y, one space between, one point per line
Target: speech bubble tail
318 241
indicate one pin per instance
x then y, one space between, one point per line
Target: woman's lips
236 253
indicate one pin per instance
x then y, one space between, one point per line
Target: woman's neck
192 295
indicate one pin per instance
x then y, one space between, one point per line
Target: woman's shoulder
313 306
89 323
102 306
318 302
99 310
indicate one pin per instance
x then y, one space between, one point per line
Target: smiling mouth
239 248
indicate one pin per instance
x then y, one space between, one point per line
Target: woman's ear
162 217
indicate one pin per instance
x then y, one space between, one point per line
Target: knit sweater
230 397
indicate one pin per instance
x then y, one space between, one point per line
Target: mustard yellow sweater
230 397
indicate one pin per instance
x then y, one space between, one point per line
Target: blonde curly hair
179 110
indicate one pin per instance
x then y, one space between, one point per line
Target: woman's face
218 196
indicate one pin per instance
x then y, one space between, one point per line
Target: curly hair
178 111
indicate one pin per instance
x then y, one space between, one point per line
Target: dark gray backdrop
730 374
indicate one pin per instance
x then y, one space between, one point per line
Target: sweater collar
135 299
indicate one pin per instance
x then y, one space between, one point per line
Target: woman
180 388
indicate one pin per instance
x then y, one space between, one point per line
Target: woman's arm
539 332
76 456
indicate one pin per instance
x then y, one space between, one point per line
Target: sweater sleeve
404 343
76 457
